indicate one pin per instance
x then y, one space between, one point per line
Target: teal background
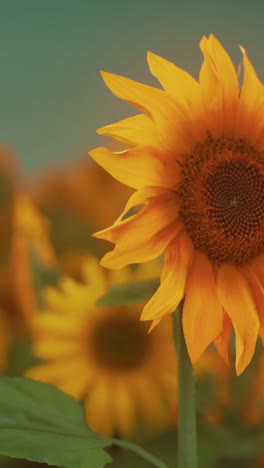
52 97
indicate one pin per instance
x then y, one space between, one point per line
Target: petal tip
107 77
242 49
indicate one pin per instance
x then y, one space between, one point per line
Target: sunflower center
222 194
120 343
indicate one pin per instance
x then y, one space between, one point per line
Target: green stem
139 451
187 435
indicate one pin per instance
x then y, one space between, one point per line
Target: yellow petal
236 298
138 167
53 348
219 84
135 131
257 289
251 100
98 408
178 256
160 212
153 325
123 406
202 313
211 91
183 87
57 372
142 251
156 104
53 299
143 196
145 235
225 70
173 79
75 383
56 324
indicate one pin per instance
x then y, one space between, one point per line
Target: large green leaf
40 423
129 293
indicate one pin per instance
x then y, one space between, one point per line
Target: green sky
52 97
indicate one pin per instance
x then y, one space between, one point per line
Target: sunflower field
132 282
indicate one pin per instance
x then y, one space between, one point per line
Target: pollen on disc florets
222 199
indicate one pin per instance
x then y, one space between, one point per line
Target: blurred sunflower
104 356
197 163
30 241
66 196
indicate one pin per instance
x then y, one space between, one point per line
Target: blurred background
52 97
52 197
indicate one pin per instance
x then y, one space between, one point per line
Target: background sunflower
104 356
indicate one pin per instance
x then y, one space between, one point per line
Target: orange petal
219 85
153 325
236 298
140 251
211 91
257 289
142 197
156 104
222 341
251 100
202 313
182 86
178 256
159 213
135 131
138 167
174 80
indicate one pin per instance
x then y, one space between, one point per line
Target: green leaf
129 293
40 423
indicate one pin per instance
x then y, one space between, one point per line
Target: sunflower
30 238
196 158
65 196
104 356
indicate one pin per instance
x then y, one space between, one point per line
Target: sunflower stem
155 461
187 434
